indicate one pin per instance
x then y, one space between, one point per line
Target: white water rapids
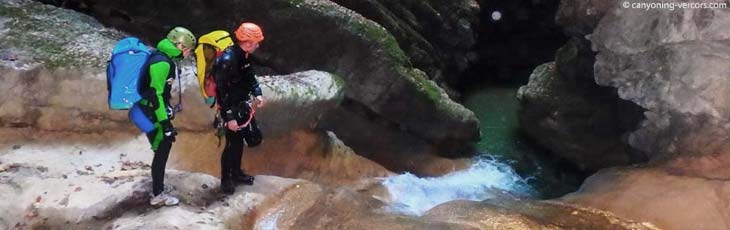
412 195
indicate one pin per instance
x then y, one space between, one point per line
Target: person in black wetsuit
235 82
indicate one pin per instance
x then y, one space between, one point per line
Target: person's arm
223 71
158 79
255 88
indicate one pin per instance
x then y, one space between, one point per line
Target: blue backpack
129 59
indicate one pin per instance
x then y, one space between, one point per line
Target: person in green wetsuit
155 86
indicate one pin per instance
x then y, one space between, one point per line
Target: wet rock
510 213
676 195
671 63
245 208
126 165
436 35
119 199
389 145
7 56
343 208
580 17
667 62
577 120
315 156
346 209
66 203
566 111
53 65
298 101
80 43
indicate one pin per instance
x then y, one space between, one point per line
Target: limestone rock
580 17
58 186
686 193
673 63
436 35
565 111
314 156
511 213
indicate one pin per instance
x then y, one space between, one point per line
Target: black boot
227 187
242 178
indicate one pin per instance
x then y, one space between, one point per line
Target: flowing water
414 196
506 161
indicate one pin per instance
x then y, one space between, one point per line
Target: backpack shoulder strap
156 56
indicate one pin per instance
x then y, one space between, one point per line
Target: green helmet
182 36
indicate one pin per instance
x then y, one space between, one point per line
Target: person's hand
232 125
168 130
170 112
260 101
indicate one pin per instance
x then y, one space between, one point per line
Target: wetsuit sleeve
255 88
158 80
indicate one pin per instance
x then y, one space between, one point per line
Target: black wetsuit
235 81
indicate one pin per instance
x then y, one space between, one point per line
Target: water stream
414 196
506 161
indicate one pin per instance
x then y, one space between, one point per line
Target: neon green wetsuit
155 87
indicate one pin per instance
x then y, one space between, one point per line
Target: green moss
382 37
423 85
373 33
567 52
12 12
544 86
276 89
566 55
311 92
340 84
369 30
55 37
433 93
339 80
386 46
390 50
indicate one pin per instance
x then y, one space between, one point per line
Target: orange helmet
249 32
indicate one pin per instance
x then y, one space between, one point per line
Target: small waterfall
412 195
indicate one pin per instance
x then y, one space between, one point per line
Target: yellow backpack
210 46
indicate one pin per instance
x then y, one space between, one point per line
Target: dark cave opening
514 37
